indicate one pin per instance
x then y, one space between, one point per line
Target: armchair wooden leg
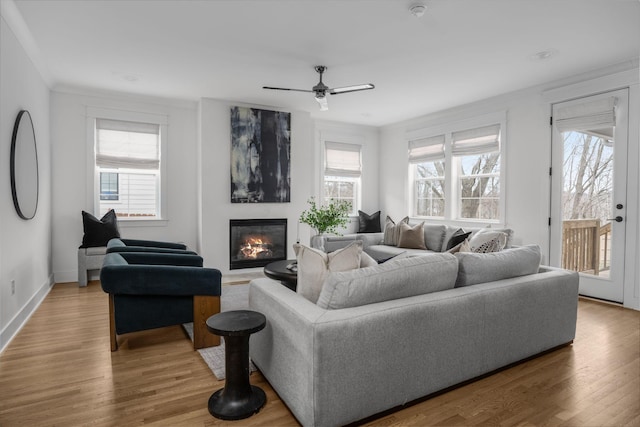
204 306
112 324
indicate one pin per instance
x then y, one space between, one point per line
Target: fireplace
256 242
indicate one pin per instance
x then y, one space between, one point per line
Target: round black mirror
24 166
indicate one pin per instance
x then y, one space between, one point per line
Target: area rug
234 297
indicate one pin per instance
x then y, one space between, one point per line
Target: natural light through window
343 167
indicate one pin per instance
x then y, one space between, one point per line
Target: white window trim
451 187
342 138
93 178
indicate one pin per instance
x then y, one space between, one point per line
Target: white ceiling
460 51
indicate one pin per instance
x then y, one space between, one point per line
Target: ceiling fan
321 89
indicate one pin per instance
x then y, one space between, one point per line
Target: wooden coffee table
278 270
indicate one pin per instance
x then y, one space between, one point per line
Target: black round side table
238 399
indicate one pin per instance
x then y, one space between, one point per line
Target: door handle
616 219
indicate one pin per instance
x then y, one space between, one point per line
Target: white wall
71 194
528 151
216 208
25 246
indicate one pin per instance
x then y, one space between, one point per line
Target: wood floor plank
59 371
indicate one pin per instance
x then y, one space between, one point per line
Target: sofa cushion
369 223
392 230
314 264
433 236
392 280
487 240
477 268
411 237
98 232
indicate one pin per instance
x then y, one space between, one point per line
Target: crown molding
14 20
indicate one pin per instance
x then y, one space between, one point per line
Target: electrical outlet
13 287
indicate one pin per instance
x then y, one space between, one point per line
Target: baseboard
19 320
72 276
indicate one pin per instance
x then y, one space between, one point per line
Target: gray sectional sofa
436 237
385 335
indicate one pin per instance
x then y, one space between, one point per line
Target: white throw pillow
485 241
314 265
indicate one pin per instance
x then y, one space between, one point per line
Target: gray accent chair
89 259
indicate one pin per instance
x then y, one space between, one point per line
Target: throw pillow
458 237
411 237
314 265
485 241
392 280
367 260
392 231
98 232
460 247
474 268
369 223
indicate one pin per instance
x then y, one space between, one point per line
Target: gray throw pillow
477 268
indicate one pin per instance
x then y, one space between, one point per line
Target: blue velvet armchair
136 245
154 290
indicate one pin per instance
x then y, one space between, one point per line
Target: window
128 163
476 153
427 157
456 175
342 172
108 186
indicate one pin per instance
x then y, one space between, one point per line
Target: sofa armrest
157 258
160 280
146 243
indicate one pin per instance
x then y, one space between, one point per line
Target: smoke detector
418 10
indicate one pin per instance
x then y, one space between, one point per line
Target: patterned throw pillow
485 241
392 231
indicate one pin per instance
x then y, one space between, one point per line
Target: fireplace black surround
256 242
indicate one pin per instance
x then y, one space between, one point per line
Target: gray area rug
234 297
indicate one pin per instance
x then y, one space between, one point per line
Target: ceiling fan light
322 100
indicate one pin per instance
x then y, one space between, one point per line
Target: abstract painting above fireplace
256 242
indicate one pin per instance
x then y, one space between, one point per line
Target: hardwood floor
59 371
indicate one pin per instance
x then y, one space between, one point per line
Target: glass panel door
589 147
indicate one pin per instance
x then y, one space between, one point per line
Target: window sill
129 223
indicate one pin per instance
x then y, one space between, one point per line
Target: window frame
93 172
452 168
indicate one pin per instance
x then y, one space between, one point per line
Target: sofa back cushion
433 236
394 279
314 265
477 268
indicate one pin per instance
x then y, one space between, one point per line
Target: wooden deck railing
581 245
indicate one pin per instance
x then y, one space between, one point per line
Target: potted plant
326 218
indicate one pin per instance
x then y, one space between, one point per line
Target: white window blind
481 140
342 159
586 116
426 149
131 145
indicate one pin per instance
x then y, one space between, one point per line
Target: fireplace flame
256 247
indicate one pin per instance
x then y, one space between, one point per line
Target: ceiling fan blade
353 88
284 88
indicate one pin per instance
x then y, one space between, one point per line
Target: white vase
317 241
